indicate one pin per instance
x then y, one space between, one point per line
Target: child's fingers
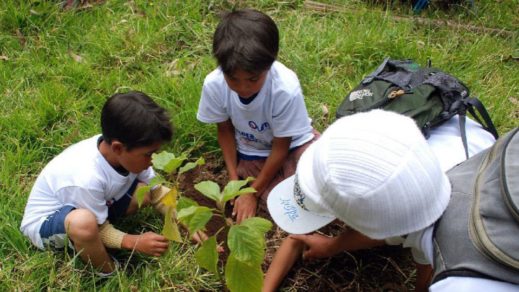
162 245
199 237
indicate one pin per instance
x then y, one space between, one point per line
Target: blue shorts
53 233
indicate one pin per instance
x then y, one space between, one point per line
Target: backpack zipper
387 99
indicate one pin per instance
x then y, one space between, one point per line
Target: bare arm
227 142
312 246
274 162
320 246
285 257
423 277
245 205
149 243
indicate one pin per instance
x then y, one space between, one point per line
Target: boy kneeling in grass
93 181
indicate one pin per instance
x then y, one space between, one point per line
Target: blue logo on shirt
259 128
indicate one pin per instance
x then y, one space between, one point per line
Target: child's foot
117 266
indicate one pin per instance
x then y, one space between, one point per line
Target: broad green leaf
207 256
230 196
195 217
200 161
246 244
247 240
160 160
184 202
259 224
241 276
141 193
209 189
170 199
234 186
186 212
191 165
187 167
173 164
170 229
157 180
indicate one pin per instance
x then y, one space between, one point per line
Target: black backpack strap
370 77
463 117
474 103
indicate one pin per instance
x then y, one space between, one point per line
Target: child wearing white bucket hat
376 173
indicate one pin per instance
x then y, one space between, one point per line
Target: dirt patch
380 269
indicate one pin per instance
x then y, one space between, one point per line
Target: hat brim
288 215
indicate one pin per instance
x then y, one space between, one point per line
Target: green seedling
246 241
167 163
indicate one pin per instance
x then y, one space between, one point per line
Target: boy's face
245 83
137 159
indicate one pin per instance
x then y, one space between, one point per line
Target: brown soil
380 269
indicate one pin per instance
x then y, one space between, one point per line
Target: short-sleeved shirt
277 111
80 177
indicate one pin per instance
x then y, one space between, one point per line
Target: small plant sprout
173 167
246 241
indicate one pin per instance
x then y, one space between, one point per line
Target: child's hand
151 243
245 207
317 246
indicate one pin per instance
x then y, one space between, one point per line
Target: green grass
57 68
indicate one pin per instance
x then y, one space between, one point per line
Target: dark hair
135 120
245 39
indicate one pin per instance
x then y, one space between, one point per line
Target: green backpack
428 95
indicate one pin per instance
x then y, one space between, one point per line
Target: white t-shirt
445 141
81 177
469 284
277 111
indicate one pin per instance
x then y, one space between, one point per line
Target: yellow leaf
170 230
170 199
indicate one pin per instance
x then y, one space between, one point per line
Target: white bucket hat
374 171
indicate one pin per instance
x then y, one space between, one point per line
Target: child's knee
81 224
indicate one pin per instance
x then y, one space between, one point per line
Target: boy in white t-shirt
376 173
93 181
257 104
